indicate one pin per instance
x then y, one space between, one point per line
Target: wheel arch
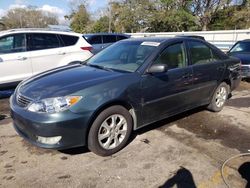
124 104
228 82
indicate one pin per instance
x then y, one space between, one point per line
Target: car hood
64 81
244 57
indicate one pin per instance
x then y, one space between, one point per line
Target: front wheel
220 97
110 131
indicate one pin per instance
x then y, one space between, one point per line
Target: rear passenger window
119 37
174 56
43 41
109 38
69 40
200 53
12 44
94 39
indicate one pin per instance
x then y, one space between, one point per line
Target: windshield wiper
100 67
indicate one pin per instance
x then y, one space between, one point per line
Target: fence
222 39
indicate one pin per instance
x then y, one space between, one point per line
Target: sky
58 7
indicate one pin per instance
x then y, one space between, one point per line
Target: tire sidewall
93 143
213 105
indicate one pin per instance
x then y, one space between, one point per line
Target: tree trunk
204 27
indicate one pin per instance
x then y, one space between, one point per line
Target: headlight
53 105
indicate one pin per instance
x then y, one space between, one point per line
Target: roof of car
246 40
95 34
191 36
37 30
149 39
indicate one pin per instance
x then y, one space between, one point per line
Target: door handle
21 58
61 53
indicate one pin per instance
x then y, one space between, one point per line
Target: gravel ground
187 150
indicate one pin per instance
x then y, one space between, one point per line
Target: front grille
23 101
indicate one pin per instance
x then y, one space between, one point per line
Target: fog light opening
49 140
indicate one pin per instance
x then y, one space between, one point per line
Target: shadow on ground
168 121
244 171
243 102
182 179
2 117
75 151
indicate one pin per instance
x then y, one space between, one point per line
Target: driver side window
173 56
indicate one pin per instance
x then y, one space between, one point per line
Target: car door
15 63
208 70
46 51
166 93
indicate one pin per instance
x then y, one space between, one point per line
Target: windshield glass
124 56
241 47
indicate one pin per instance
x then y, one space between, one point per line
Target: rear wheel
110 131
220 97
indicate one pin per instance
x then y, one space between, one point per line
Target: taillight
88 48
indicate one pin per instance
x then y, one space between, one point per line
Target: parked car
100 41
129 85
26 52
191 36
241 50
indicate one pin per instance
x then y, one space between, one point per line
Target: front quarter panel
124 89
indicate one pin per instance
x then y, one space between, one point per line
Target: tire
220 97
110 131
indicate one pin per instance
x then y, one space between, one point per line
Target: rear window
120 37
109 38
94 39
69 40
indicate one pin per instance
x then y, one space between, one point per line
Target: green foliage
80 20
101 25
231 17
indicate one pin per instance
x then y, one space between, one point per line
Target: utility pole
110 20
110 15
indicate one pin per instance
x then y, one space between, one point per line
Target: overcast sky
58 7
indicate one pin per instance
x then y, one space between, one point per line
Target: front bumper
245 71
70 126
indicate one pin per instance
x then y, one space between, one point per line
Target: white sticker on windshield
150 43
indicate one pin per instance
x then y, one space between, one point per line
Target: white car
26 52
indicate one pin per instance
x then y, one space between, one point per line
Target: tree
131 15
101 25
235 16
205 9
173 15
80 19
28 17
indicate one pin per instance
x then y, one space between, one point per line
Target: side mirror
158 68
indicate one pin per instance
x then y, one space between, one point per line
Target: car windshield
125 56
241 47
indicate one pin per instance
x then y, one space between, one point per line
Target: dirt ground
187 150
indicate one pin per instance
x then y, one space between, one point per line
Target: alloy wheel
112 131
